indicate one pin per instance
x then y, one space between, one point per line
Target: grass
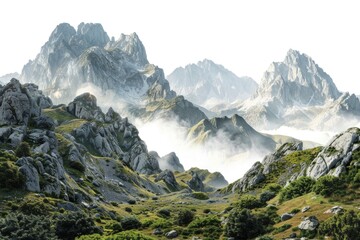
59 113
69 126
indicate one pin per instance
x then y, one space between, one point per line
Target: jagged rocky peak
209 84
87 57
297 80
93 33
171 162
132 46
62 32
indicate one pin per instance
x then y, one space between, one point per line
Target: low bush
184 217
129 223
329 185
249 202
344 226
297 188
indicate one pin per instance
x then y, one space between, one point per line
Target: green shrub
26 227
10 176
23 150
129 235
91 237
161 223
200 195
282 228
128 209
297 188
328 185
295 211
344 226
74 224
36 207
208 226
164 213
242 225
273 187
184 217
206 211
266 196
129 223
249 202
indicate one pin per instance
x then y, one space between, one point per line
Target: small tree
185 217
344 226
74 224
243 225
297 188
328 185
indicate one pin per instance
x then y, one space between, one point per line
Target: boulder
287 216
309 223
171 234
31 175
305 209
157 231
335 210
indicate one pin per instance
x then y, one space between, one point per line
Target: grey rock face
26 168
305 209
84 107
169 179
171 162
208 84
18 103
309 223
195 183
335 156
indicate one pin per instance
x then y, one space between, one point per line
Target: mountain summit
298 80
209 84
297 92
72 59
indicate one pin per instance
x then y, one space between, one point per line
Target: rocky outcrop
334 158
84 107
259 171
19 103
335 210
309 223
210 180
113 136
195 183
169 179
171 162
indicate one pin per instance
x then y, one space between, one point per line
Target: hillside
75 172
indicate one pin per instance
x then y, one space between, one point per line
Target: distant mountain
209 84
7 77
234 130
296 92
